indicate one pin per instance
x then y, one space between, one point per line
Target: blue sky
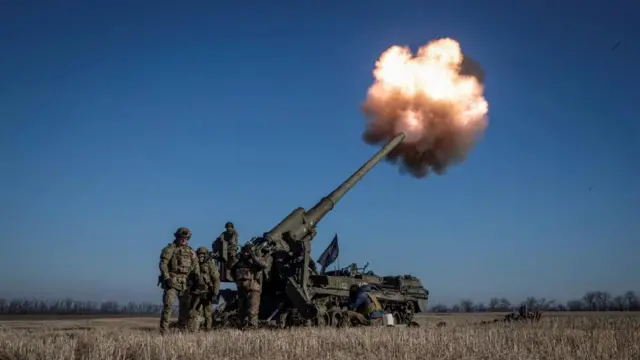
120 123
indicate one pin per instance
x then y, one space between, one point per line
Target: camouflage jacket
180 264
231 239
209 280
247 272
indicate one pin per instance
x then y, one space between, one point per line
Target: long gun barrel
300 223
325 205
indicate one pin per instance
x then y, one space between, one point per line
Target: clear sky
120 123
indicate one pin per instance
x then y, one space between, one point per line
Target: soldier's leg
207 312
231 260
358 319
167 308
242 306
253 307
347 319
282 318
194 312
222 270
184 299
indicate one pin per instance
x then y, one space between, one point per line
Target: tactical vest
205 274
230 238
182 261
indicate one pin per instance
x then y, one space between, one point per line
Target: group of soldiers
194 279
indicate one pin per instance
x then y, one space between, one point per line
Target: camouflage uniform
363 307
247 274
178 269
206 292
225 247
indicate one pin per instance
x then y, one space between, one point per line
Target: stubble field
557 336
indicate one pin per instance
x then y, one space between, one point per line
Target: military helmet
182 232
247 246
202 250
229 224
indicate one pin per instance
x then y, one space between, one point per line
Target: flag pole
338 259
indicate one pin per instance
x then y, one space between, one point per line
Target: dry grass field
559 336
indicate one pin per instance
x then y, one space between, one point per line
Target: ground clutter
584 336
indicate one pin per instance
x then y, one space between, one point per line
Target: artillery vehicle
295 293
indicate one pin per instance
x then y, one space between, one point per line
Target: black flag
330 254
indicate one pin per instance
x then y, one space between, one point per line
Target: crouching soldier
206 291
363 308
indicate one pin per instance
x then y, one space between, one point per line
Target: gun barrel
315 214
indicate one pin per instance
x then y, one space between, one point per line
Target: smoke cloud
435 98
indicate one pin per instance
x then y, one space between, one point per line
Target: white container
388 320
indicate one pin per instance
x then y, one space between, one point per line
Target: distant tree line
591 301
74 307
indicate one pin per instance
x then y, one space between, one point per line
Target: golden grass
555 337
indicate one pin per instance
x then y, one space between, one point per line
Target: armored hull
400 295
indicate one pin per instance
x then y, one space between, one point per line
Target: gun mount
286 283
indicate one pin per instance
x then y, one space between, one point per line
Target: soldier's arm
259 262
234 240
165 257
195 268
215 278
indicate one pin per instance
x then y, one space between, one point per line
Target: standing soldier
206 292
225 248
247 274
178 269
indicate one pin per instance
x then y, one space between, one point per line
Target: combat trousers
201 304
249 306
231 260
184 301
357 319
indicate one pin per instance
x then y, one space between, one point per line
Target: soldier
247 274
178 269
353 270
225 248
363 307
206 292
522 312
